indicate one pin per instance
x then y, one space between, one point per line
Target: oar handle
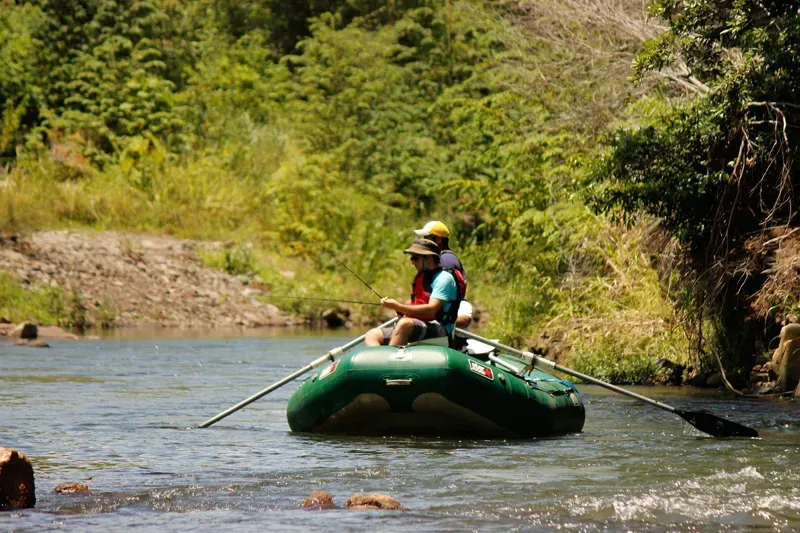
330 356
533 359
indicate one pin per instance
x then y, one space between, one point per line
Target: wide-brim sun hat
434 227
423 247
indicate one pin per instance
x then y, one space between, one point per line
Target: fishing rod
349 270
322 299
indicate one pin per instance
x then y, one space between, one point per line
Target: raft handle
396 382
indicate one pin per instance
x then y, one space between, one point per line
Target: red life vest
421 294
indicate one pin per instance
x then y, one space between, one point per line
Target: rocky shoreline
141 280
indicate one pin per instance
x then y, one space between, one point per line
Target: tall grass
40 304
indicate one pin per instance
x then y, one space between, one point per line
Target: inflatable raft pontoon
433 390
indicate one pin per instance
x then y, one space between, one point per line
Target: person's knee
405 324
402 331
374 337
463 321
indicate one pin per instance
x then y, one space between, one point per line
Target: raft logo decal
481 370
329 370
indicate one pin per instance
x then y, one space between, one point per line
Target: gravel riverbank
142 280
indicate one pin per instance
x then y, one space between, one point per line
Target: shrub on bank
40 304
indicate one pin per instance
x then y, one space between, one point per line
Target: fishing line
349 270
322 299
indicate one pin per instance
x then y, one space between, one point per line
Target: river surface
117 416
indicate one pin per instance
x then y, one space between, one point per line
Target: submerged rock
71 487
35 343
319 499
374 501
17 489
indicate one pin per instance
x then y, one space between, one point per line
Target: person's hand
390 303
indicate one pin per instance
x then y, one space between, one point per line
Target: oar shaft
330 356
531 358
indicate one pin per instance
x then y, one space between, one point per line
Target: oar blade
716 426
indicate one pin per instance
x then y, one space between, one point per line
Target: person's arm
428 309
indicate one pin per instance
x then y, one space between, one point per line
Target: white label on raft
329 370
481 370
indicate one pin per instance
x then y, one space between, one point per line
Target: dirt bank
140 280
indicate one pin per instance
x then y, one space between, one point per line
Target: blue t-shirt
444 288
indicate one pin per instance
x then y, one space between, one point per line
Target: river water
117 416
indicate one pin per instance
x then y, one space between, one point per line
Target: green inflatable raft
433 390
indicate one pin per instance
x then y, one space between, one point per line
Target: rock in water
319 499
26 330
374 501
17 489
71 487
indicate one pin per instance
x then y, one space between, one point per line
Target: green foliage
666 170
719 169
233 260
723 157
616 361
105 71
18 90
46 305
341 125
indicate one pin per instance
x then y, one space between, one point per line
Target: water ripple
120 416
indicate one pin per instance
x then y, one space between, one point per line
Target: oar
702 420
330 356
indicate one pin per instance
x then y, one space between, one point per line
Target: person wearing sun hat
438 233
430 312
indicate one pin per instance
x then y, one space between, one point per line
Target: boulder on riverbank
668 373
17 489
786 358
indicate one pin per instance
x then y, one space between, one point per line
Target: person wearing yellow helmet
438 233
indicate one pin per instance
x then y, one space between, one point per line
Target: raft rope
533 382
567 383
